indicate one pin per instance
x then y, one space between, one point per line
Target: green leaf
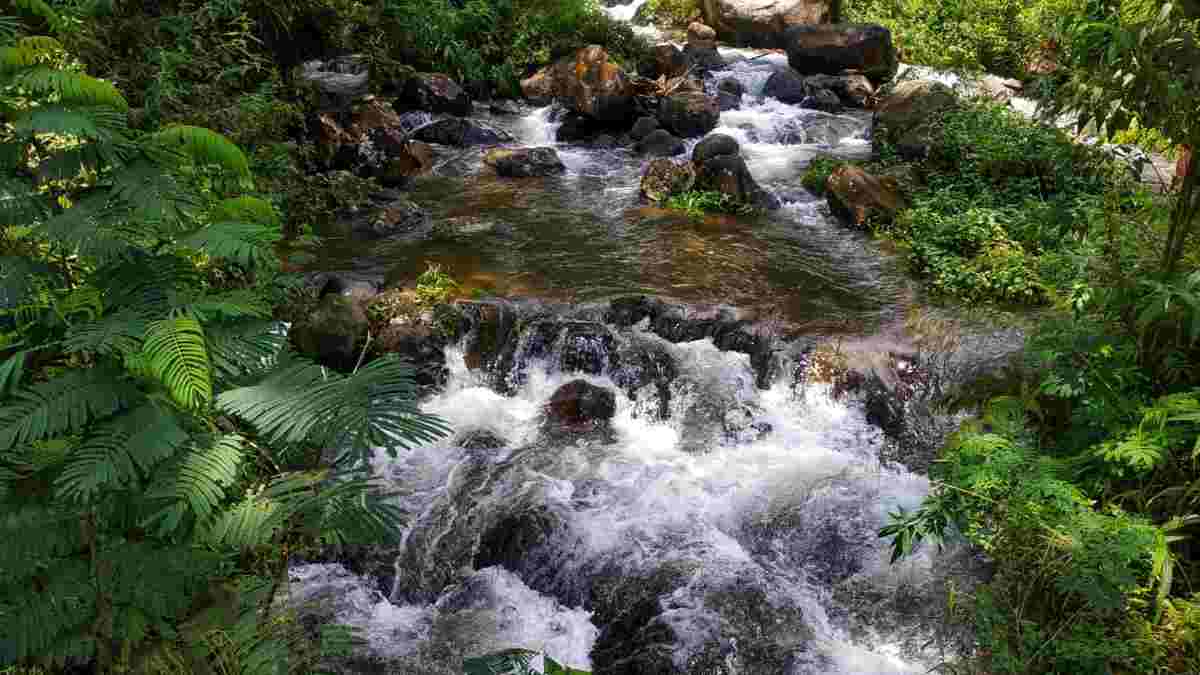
204 146
242 242
64 404
178 357
197 483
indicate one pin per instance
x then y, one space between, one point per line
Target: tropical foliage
160 451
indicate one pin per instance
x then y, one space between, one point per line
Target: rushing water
724 524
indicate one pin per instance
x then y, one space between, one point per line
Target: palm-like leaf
304 403
42 9
203 146
241 348
120 453
118 333
242 242
71 88
197 483
20 202
65 404
178 358
18 277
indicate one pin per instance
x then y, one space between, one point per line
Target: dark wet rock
689 114
353 284
525 162
823 100
642 128
504 108
852 89
398 216
516 542
647 365
461 132
421 343
587 347
669 62
833 48
627 311
434 92
338 83
604 141
715 145
574 128
486 327
478 90
661 143
907 116
480 439
703 59
394 158
664 178
786 85
729 94
730 175
580 405
332 333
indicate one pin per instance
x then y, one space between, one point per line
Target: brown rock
860 198
833 48
664 178
905 116
702 36
588 81
761 23
669 61
579 404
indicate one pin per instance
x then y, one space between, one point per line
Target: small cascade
708 526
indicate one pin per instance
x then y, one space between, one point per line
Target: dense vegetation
160 443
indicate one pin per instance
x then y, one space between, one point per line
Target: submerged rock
823 100
664 178
525 162
387 214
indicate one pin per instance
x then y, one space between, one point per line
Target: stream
726 521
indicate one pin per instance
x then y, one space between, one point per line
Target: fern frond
153 195
120 453
9 27
35 623
371 408
20 202
34 534
118 333
245 243
178 358
237 304
71 87
41 9
64 404
18 279
149 283
204 146
238 349
245 209
196 484
12 370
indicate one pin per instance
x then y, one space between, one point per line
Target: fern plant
158 441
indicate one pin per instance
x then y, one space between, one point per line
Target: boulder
859 198
669 61
787 86
729 175
701 35
504 108
574 128
587 347
337 83
906 116
703 59
643 127
715 145
590 83
729 94
579 405
664 178
461 132
332 333
823 100
524 162
396 158
434 92
854 90
833 48
661 143
760 23
486 327
689 114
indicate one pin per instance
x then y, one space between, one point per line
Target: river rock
823 100
669 61
579 405
643 127
860 198
760 23
588 81
907 115
332 333
730 175
701 35
661 143
854 90
787 86
421 343
689 114
434 92
524 162
504 108
715 145
461 132
387 213
703 59
393 158
337 82
729 94
833 48
486 327
664 178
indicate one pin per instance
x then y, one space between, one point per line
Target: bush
668 12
